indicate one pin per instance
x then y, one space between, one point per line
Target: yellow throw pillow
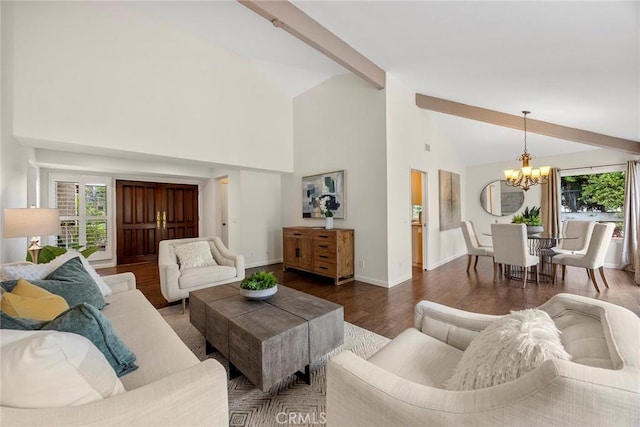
32 302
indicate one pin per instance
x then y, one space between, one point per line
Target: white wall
97 74
479 176
340 124
409 128
14 159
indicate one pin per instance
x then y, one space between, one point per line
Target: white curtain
550 203
631 218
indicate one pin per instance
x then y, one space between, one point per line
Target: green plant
48 253
259 280
530 216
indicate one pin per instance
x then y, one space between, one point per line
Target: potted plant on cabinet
260 285
531 218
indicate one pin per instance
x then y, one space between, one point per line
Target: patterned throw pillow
507 349
195 254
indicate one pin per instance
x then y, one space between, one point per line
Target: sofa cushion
507 349
419 358
45 369
583 338
32 302
195 254
88 321
193 277
159 351
71 281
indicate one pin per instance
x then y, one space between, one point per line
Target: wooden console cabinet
320 251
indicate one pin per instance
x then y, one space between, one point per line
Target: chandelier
526 177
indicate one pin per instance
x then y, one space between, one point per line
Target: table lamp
31 222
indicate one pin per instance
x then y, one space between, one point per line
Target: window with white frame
594 196
85 212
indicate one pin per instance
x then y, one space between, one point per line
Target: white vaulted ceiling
572 63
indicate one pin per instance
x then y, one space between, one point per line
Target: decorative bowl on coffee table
259 294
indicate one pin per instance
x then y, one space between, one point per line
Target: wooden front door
148 212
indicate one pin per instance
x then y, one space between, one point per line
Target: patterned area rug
289 402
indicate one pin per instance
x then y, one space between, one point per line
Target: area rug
289 402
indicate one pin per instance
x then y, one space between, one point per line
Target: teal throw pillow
88 321
71 281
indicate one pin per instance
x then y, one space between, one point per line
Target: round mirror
499 199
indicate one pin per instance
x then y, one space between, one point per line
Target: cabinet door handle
297 252
323 256
323 236
158 220
323 246
164 220
323 268
297 234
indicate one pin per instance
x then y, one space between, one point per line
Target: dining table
540 244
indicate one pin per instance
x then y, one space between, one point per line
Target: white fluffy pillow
195 254
507 349
50 369
31 272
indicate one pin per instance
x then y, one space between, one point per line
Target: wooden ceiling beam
285 15
535 126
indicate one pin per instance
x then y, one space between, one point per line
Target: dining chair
592 259
573 228
511 249
474 248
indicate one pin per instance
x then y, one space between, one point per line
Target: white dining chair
474 248
593 258
510 248
578 246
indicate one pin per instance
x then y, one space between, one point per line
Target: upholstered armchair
177 280
403 384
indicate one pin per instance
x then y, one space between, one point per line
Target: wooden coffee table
268 340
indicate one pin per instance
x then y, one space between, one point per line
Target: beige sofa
171 387
402 383
175 284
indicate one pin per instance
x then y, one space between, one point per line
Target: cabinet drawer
324 236
324 256
322 267
321 246
294 232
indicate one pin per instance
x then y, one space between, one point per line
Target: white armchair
402 384
176 283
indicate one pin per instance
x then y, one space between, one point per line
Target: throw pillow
46 369
89 322
195 254
33 272
32 302
71 281
507 349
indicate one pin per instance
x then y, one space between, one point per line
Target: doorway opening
418 219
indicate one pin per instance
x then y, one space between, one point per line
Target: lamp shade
28 222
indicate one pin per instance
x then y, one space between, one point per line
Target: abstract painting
450 204
314 187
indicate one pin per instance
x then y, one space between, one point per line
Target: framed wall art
450 204
314 187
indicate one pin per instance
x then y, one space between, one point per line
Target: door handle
164 220
158 220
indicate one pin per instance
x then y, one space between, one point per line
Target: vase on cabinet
329 224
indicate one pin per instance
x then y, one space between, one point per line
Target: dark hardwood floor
389 311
